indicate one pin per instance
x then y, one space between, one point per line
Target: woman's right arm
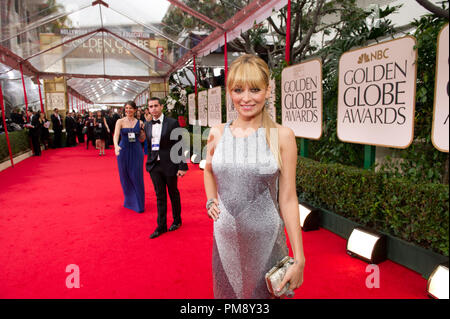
116 137
208 175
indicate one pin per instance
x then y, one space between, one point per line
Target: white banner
56 100
301 99
439 134
192 106
214 106
232 114
203 108
377 93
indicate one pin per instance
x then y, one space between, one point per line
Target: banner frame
415 90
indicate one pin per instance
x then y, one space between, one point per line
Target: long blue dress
131 171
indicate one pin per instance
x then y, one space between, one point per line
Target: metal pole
4 125
369 156
288 34
40 94
225 47
195 76
24 92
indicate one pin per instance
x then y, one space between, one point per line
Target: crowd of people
251 202
95 128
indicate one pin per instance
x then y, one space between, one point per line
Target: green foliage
19 141
422 161
50 8
356 30
176 20
415 212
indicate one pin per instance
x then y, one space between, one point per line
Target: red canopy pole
288 34
24 92
225 47
4 125
195 75
77 105
40 94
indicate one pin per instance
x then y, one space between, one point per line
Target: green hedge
417 213
19 141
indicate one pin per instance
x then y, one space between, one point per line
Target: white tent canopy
127 44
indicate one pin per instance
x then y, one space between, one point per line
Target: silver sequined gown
249 236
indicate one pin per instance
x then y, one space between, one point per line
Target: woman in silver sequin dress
250 185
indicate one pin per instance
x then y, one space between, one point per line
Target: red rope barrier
4 125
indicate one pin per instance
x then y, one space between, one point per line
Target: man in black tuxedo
57 128
71 126
164 170
35 133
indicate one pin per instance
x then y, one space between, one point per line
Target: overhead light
202 164
309 217
437 286
367 245
186 153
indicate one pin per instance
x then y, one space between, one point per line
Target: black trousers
90 137
162 185
36 144
57 139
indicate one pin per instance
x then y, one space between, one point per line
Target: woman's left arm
106 124
288 202
141 132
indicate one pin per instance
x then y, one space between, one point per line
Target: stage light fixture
202 164
195 158
437 286
367 245
309 217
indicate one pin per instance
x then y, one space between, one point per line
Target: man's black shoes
174 227
157 233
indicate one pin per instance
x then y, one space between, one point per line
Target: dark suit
71 126
163 172
35 133
57 129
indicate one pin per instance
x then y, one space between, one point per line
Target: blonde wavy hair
252 71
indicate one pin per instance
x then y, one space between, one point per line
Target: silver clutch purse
275 276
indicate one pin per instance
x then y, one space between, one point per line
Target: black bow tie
157 121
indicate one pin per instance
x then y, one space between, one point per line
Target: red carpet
65 207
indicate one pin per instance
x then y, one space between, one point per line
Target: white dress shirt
156 134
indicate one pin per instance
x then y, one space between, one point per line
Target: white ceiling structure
109 51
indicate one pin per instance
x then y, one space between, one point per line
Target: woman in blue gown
130 157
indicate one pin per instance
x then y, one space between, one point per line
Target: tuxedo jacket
70 124
165 145
36 131
57 126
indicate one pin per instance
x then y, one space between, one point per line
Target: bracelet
209 203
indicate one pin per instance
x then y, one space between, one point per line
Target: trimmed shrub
19 141
417 213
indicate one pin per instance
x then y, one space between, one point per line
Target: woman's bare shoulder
217 129
285 132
